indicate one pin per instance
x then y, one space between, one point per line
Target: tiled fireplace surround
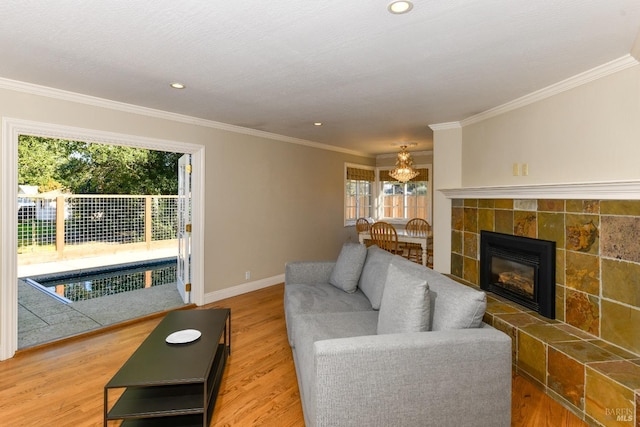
588 359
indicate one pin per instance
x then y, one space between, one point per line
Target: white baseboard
242 289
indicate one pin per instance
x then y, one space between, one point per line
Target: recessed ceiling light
177 85
399 7
317 124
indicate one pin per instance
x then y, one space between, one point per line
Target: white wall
590 133
447 152
267 201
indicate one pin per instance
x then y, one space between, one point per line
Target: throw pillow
348 267
374 274
405 305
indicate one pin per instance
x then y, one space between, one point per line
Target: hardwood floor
62 384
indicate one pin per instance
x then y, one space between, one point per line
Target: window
384 198
404 200
358 200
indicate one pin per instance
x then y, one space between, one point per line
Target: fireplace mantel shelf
611 190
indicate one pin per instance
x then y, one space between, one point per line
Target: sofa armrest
440 378
308 272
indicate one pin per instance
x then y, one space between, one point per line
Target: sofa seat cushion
310 328
320 298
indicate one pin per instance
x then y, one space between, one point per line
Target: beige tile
519 319
498 307
456 265
582 311
525 224
582 272
504 221
620 325
560 265
566 377
471 245
560 291
457 218
621 371
456 241
583 206
549 333
471 220
470 270
607 401
487 203
525 205
504 204
621 281
584 351
582 233
486 219
532 356
620 237
620 207
551 227
550 205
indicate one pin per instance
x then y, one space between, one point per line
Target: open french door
184 228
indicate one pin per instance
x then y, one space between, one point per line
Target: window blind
361 174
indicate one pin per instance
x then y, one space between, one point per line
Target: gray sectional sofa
378 340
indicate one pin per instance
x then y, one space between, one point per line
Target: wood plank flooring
62 384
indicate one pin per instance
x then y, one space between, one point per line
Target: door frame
11 130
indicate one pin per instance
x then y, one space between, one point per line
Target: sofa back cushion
374 274
346 272
405 304
453 305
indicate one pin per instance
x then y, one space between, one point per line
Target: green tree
92 168
39 160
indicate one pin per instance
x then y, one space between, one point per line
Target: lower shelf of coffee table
160 401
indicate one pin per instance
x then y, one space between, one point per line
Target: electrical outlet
516 169
247 275
525 169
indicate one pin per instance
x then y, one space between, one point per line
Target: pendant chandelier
404 170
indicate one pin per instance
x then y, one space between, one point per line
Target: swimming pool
82 285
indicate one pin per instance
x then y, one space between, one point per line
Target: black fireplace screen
520 269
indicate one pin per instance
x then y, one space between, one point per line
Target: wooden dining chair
384 235
364 226
418 227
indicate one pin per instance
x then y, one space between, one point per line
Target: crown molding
445 126
596 73
601 71
94 101
610 190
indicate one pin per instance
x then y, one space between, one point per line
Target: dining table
404 237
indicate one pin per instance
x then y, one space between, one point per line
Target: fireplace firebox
521 269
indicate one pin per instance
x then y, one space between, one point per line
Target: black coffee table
173 384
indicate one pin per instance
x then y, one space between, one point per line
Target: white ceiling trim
445 126
64 95
601 71
611 190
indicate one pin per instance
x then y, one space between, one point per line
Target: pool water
82 285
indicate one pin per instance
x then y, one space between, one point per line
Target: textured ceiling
371 77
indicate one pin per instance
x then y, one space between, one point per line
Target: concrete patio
43 318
